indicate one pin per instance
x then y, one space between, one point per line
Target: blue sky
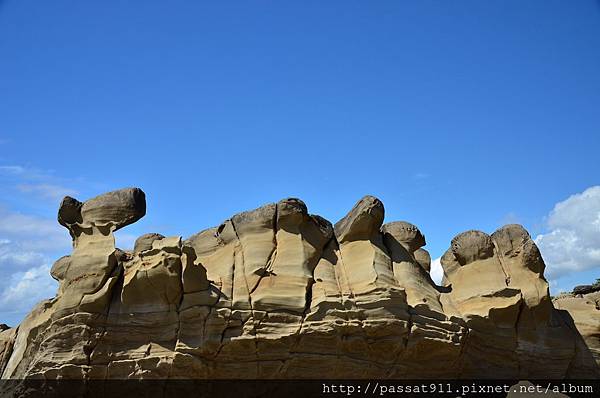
457 115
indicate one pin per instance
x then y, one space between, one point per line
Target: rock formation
279 293
583 304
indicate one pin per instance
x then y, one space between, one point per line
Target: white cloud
26 289
19 259
33 232
573 241
420 176
12 169
47 191
29 243
41 184
437 273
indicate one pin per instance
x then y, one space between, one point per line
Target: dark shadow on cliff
583 354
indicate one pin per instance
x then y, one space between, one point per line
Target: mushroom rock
277 292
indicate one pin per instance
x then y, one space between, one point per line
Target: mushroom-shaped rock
292 215
407 234
513 241
271 293
524 265
482 282
144 242
366 266
362 221
402 239
114 209
87 276
291 210
119 208
471 246
511 238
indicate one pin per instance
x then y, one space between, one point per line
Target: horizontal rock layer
279 293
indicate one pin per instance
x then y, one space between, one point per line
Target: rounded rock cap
471 246
144 242
405 232
362 221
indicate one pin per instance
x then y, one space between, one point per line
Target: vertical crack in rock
498 253
244 275
268 269
344 271
295 297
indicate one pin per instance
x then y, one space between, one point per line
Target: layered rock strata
279 293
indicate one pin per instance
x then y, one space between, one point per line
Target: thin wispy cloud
28 246
29 242
35 232
14 170
421 176
25 173
47 191
25 289
39 185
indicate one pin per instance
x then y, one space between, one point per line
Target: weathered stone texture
279 293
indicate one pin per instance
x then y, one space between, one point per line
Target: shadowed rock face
279 293
584 307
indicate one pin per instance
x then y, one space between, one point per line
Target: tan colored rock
276 292
585 311
7 340
112 210
423 258
402 240
497 287
145 241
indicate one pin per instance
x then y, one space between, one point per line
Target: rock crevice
279 293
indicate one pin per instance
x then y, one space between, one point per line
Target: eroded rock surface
583 305
279 293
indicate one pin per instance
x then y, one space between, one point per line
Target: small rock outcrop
583 305
277 292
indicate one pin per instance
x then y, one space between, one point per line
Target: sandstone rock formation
583 304
279 293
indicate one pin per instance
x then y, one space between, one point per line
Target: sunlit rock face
277 292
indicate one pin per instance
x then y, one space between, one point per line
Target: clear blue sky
457 115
